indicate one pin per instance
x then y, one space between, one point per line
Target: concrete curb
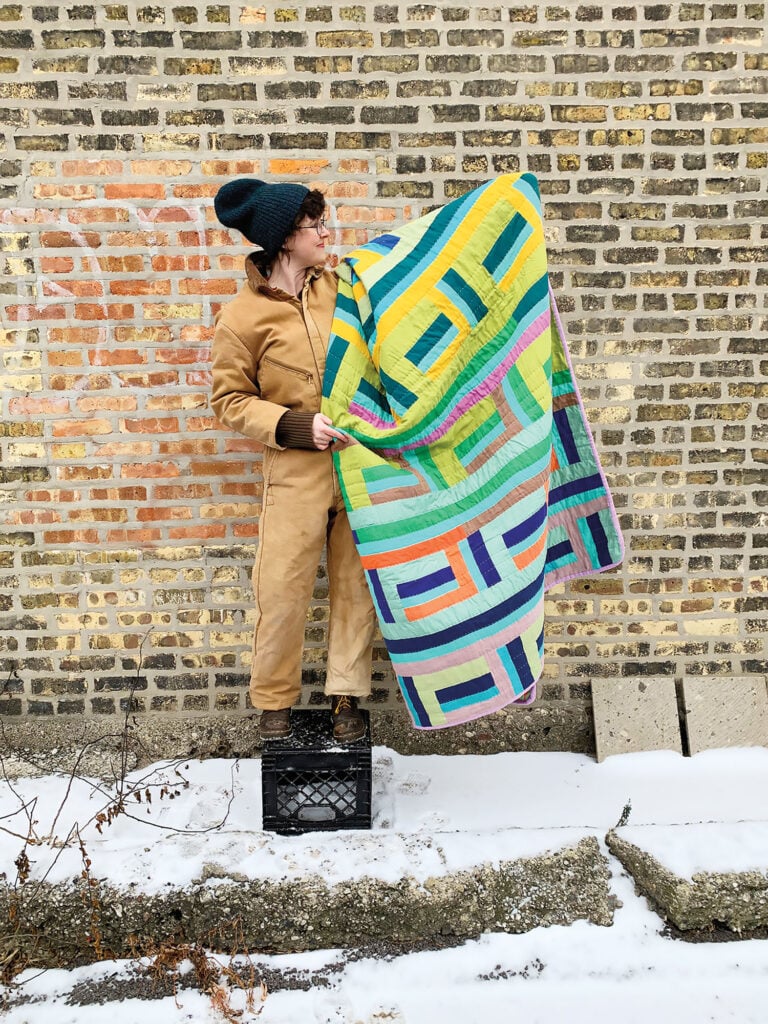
737 900
59 925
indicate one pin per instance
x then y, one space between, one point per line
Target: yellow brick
25 360
711 627
23 382
252 15
19 452
67 452
188 554
644 112
230 639
88 621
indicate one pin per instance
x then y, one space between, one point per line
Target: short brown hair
312 206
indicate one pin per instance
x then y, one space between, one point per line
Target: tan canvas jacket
269 353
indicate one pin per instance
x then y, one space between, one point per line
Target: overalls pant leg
302 510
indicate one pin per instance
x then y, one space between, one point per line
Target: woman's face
307 244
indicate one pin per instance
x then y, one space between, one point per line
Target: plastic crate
310 782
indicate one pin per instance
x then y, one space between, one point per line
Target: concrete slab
700 876
725 713
635 714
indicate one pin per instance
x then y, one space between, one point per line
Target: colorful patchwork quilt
474 485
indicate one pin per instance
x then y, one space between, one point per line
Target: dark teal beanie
264 213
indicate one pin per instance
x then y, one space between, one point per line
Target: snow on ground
529 802
480 808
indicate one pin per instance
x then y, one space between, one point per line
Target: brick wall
128 519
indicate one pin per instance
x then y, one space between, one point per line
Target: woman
268 360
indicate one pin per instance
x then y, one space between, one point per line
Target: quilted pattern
475 485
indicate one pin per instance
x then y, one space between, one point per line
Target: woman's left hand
325 434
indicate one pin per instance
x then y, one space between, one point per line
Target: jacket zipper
290 369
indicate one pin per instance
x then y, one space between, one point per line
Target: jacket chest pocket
287 385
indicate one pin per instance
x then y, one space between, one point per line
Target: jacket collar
260 283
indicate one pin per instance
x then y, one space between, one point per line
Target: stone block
635 714
725 713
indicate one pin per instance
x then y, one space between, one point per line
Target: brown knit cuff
294 430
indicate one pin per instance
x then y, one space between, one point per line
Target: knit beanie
262 212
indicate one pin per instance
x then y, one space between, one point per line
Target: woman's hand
325 434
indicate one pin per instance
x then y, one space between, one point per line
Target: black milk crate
311 782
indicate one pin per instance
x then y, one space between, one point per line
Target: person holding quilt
268 359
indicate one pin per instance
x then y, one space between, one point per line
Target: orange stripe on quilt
466 588
526 557
382 559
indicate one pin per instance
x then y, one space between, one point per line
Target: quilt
474 485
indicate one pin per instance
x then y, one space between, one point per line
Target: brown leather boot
275 725
348 723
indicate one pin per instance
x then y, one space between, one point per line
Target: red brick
195 191
147 514
202 423
71 537
64 359
148 380
143 335
246 490
125 357
141 286
187 447
31 517
81 428
30 215
297 168
135 190
111 403
98 215
211 286
199 378
117 494
151 425
217 468
91 168
68 240
98 515
242 444
25 314
37 406
197 532
77 335
150 470
75 192
81 289
84 472
114 264
231 168
181 356
137 239
57 264
176 492
145 536
103 311
168 214
160 168
246 529
132 448
204 239
53 496
197 332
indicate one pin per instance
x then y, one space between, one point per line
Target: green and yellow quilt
474 485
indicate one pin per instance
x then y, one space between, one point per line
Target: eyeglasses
319 226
